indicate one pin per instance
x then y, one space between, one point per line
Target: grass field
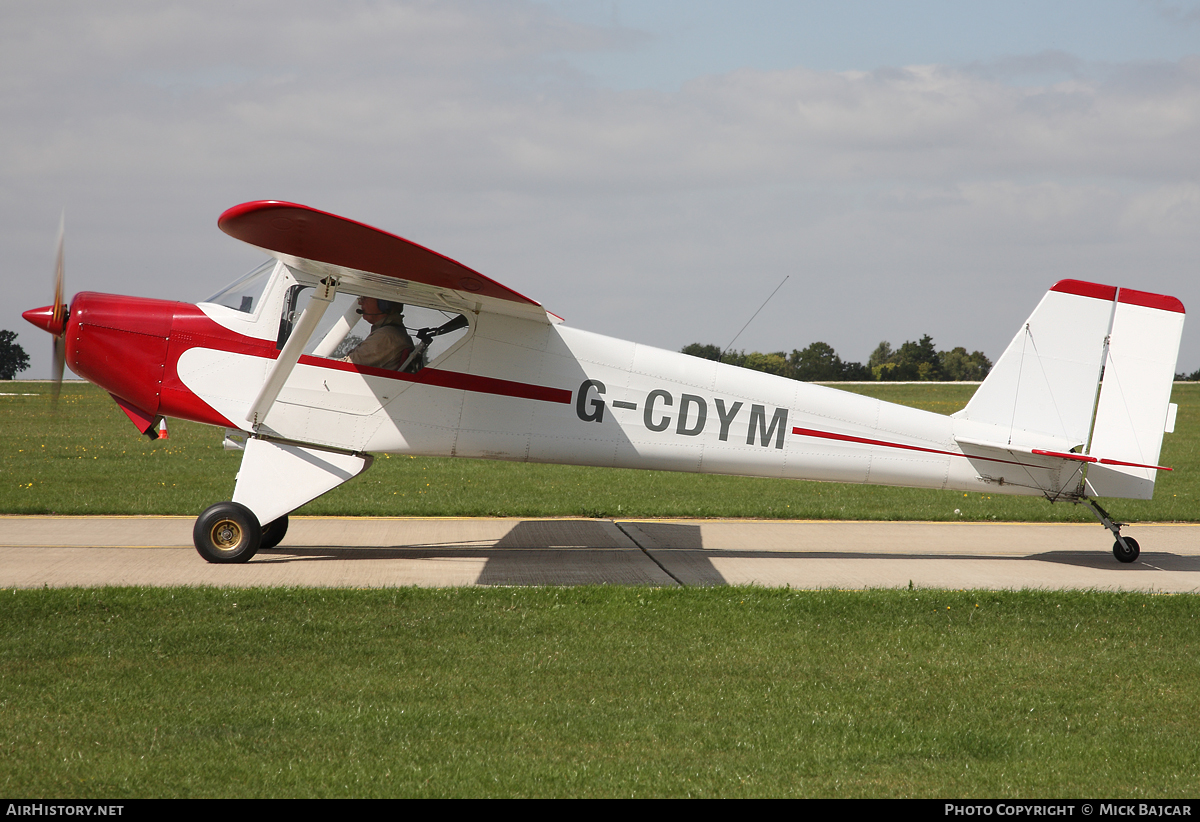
598 691
85 458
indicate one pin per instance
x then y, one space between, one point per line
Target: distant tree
957 364
775 363
817 363
913 361
737 358
881 354
12 356
856 372
820 363
713 352
706 352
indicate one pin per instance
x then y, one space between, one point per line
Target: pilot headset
386 306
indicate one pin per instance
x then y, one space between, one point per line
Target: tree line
911 362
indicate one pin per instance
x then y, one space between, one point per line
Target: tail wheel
273 533
227 532
1124 554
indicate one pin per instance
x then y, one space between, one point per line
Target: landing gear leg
1125 549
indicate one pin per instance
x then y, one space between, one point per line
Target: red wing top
298 235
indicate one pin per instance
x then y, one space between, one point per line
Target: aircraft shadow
534 552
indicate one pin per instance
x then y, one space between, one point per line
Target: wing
367 260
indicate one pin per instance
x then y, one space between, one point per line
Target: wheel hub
226 534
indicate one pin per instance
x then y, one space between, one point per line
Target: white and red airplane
1074 409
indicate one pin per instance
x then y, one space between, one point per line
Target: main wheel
227 532
1123 555
273 533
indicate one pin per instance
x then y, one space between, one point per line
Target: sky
646 170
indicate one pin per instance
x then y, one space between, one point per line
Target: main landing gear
229 532
1125 549
273 533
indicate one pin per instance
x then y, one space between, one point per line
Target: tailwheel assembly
1126 549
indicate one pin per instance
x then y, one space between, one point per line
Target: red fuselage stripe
452 379
829 435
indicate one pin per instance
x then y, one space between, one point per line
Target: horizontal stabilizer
1053 472
965 442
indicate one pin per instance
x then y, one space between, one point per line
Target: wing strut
322 297
338 333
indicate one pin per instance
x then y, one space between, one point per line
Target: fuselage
516 389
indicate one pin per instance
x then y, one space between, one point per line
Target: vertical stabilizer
1135 396
1043 387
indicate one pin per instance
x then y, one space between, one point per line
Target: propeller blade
60 357
59 350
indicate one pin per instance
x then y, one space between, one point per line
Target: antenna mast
760 308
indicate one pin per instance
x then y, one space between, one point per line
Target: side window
427 333
433 333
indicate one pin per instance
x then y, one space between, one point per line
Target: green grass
598 692
86 458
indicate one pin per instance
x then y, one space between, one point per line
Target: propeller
60 313
53 318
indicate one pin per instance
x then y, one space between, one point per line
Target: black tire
227 532
1124 555
273 533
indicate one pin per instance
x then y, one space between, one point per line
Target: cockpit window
343 327
244 294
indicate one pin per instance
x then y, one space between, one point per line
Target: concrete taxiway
387 552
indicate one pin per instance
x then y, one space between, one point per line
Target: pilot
388 345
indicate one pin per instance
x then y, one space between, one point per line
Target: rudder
1135 396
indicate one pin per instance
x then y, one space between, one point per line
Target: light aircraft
1074 409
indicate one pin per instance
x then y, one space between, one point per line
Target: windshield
244 293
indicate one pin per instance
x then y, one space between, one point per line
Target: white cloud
1167 211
